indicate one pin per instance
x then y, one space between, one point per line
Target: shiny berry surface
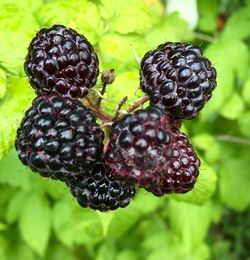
178 79
99 190
59 137
146 150
61 61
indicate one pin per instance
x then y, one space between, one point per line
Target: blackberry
59 137
145 149
99 190
61 61
178 79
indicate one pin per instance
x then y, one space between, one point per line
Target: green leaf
235 183
125 84
3 248
62 216
106 250
203 141
173 28
58 252
227 69
2 83
21 251
169 253
208 11
13 173
3 226
157 240
55 189
29 5
244 123
155 8
127 254
17 28
246 91
190 223
114 46
146 203
12 107
204 188
81 15
127 16
34 223
123 219
105 218
15 206
202 253
238 24
233 108
2 253
173 249
86 227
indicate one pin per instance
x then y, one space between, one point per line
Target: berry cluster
60 138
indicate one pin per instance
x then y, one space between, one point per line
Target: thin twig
99 113
107 78
117 113
139 102
232 139
104 85
204 37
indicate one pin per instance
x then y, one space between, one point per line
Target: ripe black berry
99 190
178 79
59 137
145 149
61 61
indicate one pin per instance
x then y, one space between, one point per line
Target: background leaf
237 26
208 12
12 107
2 83
35 222
17 28
235 183
81 15
123 16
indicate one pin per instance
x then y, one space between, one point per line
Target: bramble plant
121 122
59 137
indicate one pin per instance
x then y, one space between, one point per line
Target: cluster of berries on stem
103 164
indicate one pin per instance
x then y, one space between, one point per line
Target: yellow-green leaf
2 83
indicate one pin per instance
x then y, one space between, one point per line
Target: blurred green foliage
38 217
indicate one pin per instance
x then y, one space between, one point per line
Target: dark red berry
145 149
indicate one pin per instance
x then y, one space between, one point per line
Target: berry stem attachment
99 113
108 119
107 78
138 103
118 110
